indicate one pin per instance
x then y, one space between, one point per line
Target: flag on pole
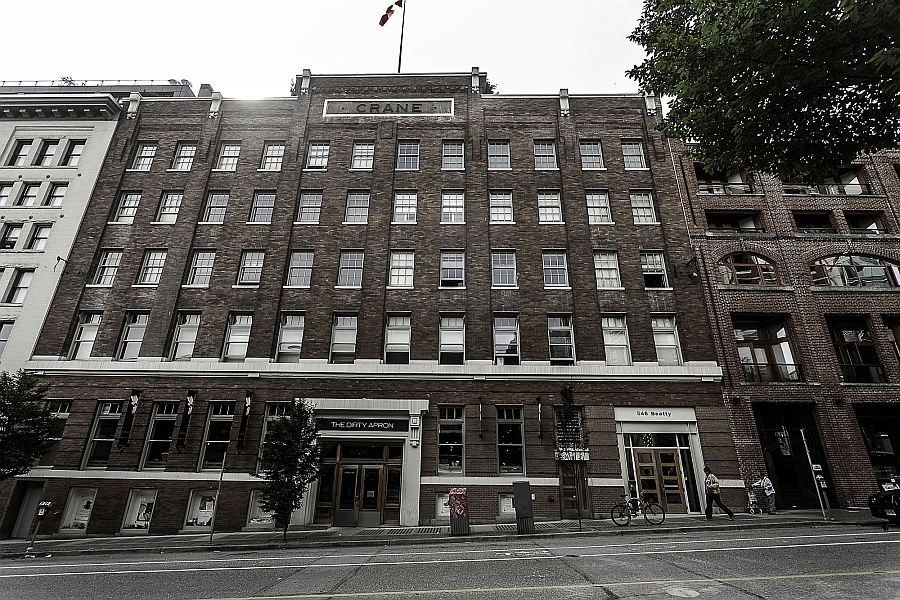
389 12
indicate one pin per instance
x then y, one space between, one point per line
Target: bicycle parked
621 514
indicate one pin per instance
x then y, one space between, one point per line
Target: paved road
815 563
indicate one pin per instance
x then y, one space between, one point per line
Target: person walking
712 495
766 484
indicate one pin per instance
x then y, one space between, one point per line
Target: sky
254 49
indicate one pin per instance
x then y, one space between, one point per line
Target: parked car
886 504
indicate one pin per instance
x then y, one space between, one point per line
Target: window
452 269
310 207
45 155
11 234
452 340
363 155
742 221
498 154
865 222
569 430
453 207
855 350
169 207
598 207
615 340
764 349
19 153
159 436
5 193
814 222
300 269
290 338
633 154
720 182
144 157
549 207
396 340
506 339
263 207
228 156
250 271
29 194
510 439
59 410
201 267
591 156
452 154
20 286
545 154
127 208
56 195
642 208
103 434
351 269
606 268
665 336
216 205
503 268
853 270
152 268
217 436
5 331
450 438
317 155
405 207
408 155
562 339
555 274
402 265
343 339
654 268
108 267
85 334
39 235
237 338
185 335
273 156
743 268
184 156
76 148
357 207
133 335
501 207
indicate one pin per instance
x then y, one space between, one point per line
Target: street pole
212 520
402 28
30 547
813 473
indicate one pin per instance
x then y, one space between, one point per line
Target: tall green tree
796 88
290 461
26 426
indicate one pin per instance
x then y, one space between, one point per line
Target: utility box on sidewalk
524 510
459 512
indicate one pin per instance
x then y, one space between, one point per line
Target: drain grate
370 532
504 528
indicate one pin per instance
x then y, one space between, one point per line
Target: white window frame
133 335
350 271
606 270
201 272
11 234
357 210
163 412
402 269
263 206
405 207
561 335
237 337
615 336
453 155
73 153
550 207
5 331
185 153
85 335
40 233
452 339
218 412
397 339
152 267
344 331
216 207
512 418
300 268
310 207
143 158
653 265
56 196
594 160
545 155
499 157
408 155
229 154
126 209
19 156
46 153
501 267
451 423
453 261
185 337
362 157
29 195
317 155
19 289
598 208
555 269
273 156
633 155
290 337
501 207
665 338
251 269
169 207
506 324
106 412
453 207
642 208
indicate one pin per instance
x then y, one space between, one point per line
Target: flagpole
402 27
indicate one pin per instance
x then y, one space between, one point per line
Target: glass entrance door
346 513
359 495
659 477
573 490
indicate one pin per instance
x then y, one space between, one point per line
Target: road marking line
579 586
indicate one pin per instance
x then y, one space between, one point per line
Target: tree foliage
796 88
290 461
26 426
569 432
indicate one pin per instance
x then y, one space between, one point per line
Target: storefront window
201 508
257 517
78 509
139 510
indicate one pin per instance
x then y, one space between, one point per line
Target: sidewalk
381 536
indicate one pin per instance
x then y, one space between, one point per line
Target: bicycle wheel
654 514
620 515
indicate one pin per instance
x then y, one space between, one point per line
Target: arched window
851 270
743 268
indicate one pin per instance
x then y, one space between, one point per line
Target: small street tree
26 426
290 461
571 444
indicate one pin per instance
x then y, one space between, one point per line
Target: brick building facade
425 263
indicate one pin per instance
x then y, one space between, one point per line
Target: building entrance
573 490
359 485
659 477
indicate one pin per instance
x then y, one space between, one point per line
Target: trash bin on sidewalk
459 512
524 511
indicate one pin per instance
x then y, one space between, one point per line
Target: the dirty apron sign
389 108
362 425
